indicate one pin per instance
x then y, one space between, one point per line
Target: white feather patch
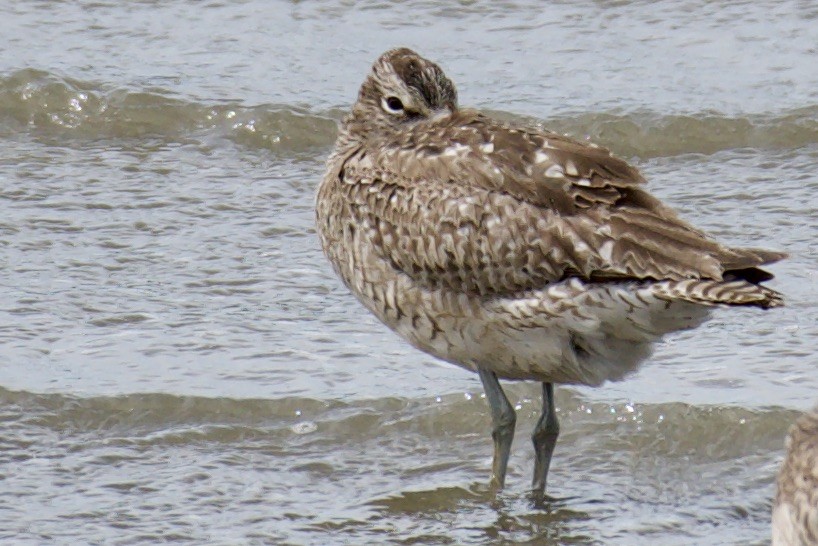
456 150
606 251
555 171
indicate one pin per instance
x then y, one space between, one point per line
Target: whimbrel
511 251
795 513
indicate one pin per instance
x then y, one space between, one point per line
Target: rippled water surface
179 364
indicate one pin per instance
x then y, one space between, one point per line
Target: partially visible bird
511 251
795 513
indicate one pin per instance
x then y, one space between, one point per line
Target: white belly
568 333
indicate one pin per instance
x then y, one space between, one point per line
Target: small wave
154 411
647 134
120 319
153 415
45 104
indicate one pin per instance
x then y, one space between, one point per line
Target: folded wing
502 209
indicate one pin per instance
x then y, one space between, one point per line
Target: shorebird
511 251
795 514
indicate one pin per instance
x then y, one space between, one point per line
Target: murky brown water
178 363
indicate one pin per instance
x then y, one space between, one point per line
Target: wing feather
503 209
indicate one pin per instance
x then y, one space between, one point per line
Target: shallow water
179 364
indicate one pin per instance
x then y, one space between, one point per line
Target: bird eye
393 105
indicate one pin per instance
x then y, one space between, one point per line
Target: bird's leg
503 420
545 438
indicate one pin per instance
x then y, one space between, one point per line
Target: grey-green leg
545 439
503 420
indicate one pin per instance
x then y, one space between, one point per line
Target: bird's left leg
545 439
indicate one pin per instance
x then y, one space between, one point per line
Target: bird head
402 88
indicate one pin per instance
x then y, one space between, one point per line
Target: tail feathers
744 267
712 292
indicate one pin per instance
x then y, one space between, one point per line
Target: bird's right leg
503 420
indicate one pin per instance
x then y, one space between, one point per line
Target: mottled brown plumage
795 514
512 251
